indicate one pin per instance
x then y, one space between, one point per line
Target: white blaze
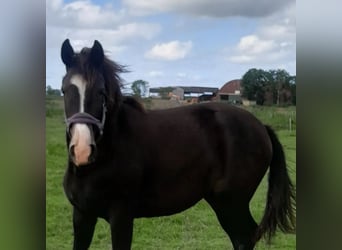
81 137
80 83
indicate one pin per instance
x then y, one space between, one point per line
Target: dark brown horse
126 162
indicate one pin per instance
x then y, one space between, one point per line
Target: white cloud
241 59
254 49
212 8
272 43
173 50
191 76
84 21
254 45
114 38
251 47
155 73
121 34
81 14
54 4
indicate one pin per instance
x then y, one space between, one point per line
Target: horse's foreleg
121 225
84 226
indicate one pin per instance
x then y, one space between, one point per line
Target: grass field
195 228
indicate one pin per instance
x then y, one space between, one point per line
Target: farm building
230 92
184 92
154 92
177 93
190 92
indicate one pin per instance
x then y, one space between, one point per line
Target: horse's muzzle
82 155
82 145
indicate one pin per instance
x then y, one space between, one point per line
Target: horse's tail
280 206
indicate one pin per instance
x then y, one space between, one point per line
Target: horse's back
199 149
205 120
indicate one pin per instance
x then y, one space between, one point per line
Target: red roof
231 86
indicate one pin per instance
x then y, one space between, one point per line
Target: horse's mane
113 81
110 71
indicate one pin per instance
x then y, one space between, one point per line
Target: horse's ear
97 54
67 53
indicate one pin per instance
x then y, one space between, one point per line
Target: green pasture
196 228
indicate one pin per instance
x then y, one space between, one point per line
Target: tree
268 87
52 92
139 88
280 80
254 83
293 90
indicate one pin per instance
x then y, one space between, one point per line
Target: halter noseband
87 118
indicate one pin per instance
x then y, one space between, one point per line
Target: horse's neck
124 120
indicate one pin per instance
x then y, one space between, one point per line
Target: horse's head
89 87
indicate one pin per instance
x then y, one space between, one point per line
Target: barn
230 92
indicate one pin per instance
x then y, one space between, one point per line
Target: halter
83 117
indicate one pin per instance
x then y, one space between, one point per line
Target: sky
176 42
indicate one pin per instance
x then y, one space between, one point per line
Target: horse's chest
85 195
